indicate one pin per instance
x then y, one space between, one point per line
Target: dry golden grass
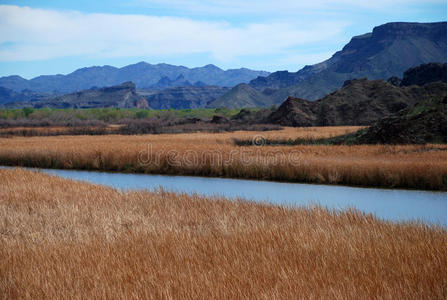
66 239
214 154
44 129
55 130
285 133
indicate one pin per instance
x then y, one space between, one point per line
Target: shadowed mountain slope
242 96
185 97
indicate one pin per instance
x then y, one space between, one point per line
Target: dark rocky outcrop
424 74
295 112
219 120
424 123
358 102
394 80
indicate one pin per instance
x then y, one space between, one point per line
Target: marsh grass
332 137
66 239
412 166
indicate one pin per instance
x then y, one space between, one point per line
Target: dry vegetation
215 154
66 239
132 127
58 130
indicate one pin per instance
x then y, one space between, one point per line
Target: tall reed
206 154
66 239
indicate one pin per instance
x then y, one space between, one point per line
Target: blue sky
51 37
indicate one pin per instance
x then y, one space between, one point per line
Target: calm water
396 205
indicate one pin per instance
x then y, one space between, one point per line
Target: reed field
66 239
216 154
57 130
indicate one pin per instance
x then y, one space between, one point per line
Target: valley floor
218 155
66 239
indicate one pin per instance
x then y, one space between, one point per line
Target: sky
39 37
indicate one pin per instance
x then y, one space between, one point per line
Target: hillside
241 96
8 96
424 123
358 102
143 74
123 95
185 97
423 74
180 81
387 51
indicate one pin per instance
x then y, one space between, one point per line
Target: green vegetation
112 114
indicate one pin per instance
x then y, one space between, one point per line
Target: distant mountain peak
142 63
212 67
143 74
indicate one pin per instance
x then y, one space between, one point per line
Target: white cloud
280 7
37 34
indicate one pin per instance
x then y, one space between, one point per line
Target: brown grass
214 154
58 130
67 239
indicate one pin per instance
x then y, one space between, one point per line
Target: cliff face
391 49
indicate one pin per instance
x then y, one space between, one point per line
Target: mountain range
387 51
143 74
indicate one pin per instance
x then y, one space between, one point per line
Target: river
389 204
